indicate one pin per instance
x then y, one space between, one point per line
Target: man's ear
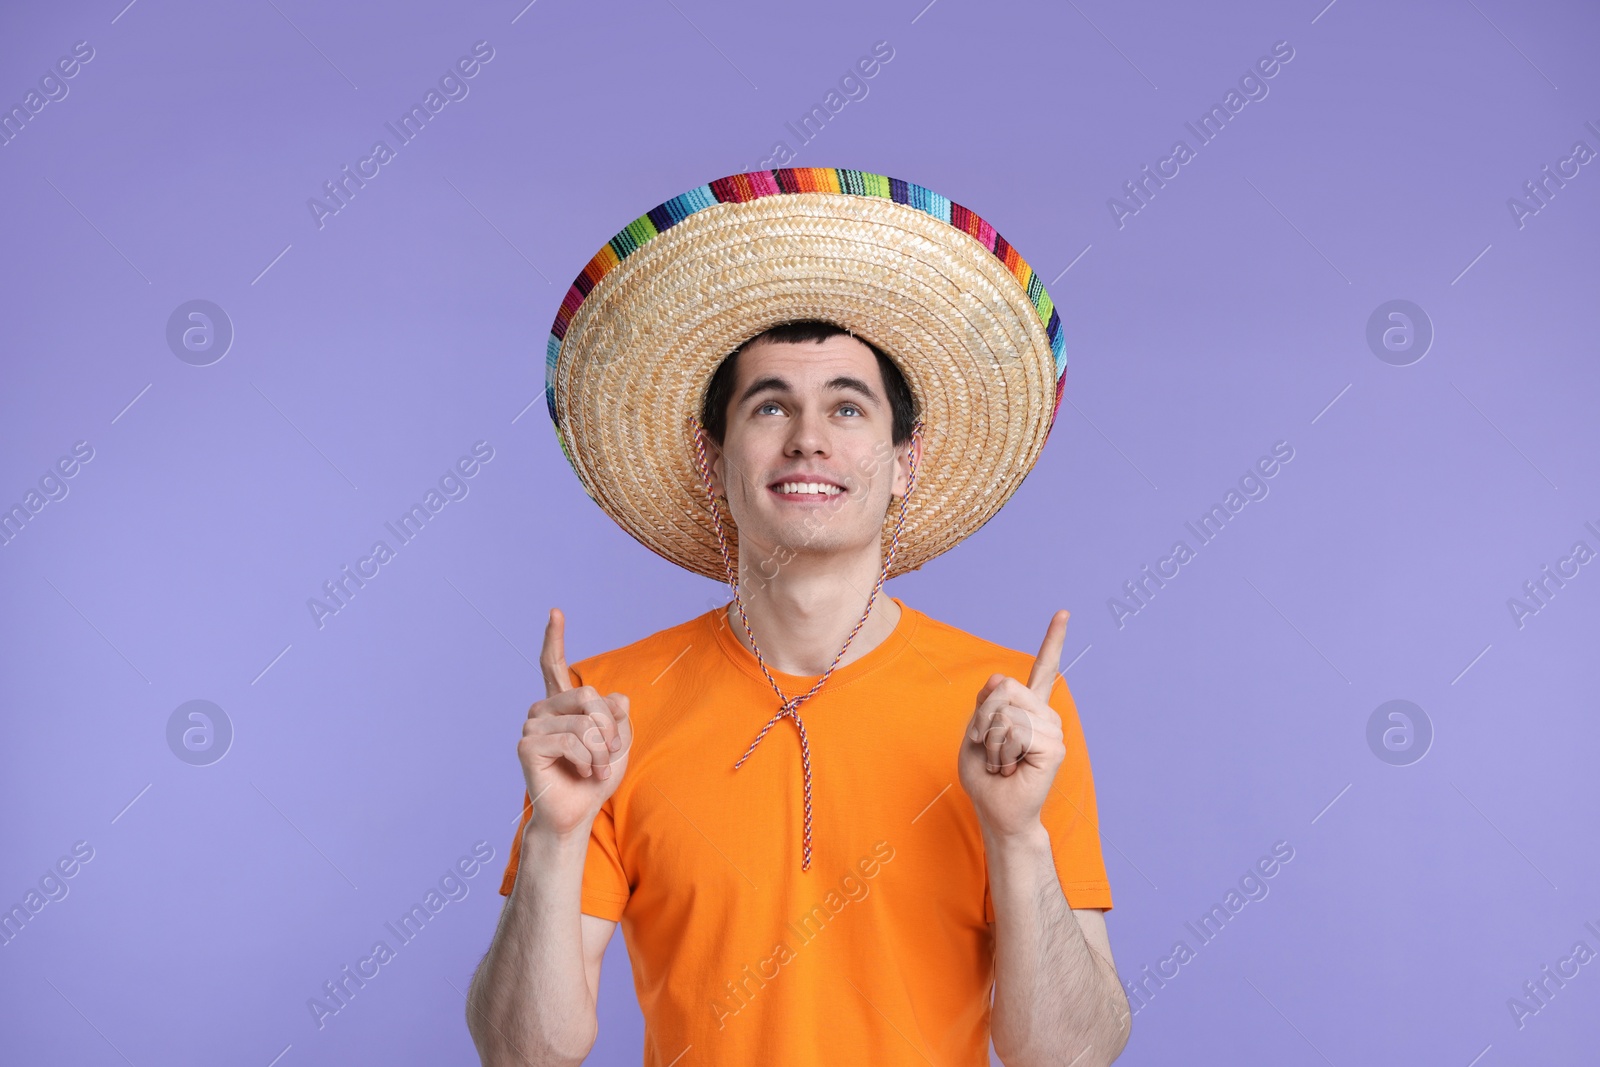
902 464
714 464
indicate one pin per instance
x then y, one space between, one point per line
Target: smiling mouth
801 490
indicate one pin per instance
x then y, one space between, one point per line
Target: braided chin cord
790 706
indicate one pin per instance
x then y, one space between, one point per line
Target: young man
813 890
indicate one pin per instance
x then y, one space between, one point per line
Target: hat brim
632 362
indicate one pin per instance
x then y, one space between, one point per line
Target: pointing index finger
1048 663
553 657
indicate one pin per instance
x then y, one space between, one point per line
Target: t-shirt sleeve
509 879
1071 818
605 885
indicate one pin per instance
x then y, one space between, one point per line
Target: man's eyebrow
775 384
761 385
854 385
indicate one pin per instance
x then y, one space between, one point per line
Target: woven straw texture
631 363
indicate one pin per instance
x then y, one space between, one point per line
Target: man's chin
784 541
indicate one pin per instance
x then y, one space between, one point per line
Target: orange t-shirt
881 953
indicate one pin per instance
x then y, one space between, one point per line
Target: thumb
553 657
1048 663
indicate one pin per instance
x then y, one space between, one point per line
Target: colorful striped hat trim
742 188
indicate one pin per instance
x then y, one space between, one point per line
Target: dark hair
719 394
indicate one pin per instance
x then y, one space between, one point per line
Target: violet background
1228 315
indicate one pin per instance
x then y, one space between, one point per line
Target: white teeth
813 488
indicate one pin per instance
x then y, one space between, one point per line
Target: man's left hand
1012 747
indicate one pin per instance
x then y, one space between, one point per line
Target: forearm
1056 1000
530 1001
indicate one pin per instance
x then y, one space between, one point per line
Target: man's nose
808 435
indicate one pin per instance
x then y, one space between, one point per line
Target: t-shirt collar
793 684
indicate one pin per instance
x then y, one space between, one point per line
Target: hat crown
926 280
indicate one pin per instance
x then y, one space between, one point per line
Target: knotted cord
789 707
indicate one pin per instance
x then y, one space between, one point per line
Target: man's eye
769 408
849 409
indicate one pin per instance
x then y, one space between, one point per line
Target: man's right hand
575 744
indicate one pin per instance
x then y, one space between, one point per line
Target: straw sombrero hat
927 281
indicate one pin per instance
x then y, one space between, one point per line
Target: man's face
807 461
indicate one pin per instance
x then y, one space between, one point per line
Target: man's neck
802 614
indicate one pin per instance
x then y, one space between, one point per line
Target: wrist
1031 838
553 844
1019 863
